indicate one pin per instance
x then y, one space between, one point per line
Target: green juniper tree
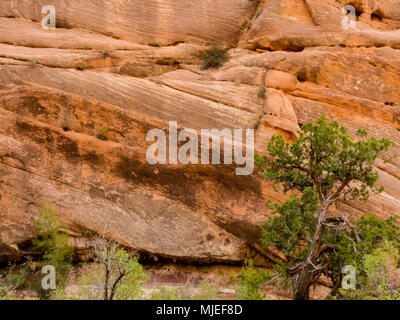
322 167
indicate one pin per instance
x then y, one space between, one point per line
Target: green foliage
52 243
50 240
326 159
293 225
105 53
378 267
323 166
250 281
377 264
350 294
374 276
130 287
284 276
214 57
117 275
17 277
103 134
58 294
172 61
374 234
92 282
261 91
247 24
33 62
185 292
181 293
165 294
207 292
80 66
6 293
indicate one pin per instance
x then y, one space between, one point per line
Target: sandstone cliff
51 113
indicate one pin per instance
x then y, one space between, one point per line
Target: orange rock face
117 69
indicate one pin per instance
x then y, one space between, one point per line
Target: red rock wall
51 113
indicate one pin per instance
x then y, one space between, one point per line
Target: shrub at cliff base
116 276
53 245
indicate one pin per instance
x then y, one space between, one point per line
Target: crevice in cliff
243 37
310 13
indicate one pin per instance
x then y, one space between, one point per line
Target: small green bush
91 282
50 240
103 134
17 277
214 57
33 62
80 66
261 91
349 294
207 292
117 275
247 24
250 281
185 292
6 293
165 294
180 293
106 53
52 243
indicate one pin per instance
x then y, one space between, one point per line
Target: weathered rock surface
149 22
51 113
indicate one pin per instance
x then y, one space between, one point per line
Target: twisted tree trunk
106 280
304 278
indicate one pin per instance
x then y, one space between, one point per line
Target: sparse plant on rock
261 91
80 66
214 57
32 62
103 134
106 53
